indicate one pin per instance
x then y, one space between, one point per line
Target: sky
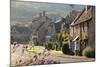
25 11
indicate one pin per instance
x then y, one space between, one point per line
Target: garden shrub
65 49
83 46
89 52
58 46
46 46
50 46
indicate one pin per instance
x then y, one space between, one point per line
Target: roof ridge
78 16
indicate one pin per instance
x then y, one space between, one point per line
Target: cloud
24 11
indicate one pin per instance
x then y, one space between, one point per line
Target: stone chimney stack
43 13
40 15
86 8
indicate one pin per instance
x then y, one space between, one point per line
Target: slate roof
22 30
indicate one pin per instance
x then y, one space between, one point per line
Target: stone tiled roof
84 16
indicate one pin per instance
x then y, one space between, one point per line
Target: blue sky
24 11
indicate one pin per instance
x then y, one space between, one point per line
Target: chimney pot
43 13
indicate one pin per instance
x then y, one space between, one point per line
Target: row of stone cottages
83 26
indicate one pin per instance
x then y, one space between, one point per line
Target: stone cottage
41 27
84 26
21 34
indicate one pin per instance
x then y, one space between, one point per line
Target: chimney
86 8
43 13
40 15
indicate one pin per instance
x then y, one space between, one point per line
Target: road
27 57
72 59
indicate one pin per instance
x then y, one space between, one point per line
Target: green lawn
38 50
34 49
56 52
